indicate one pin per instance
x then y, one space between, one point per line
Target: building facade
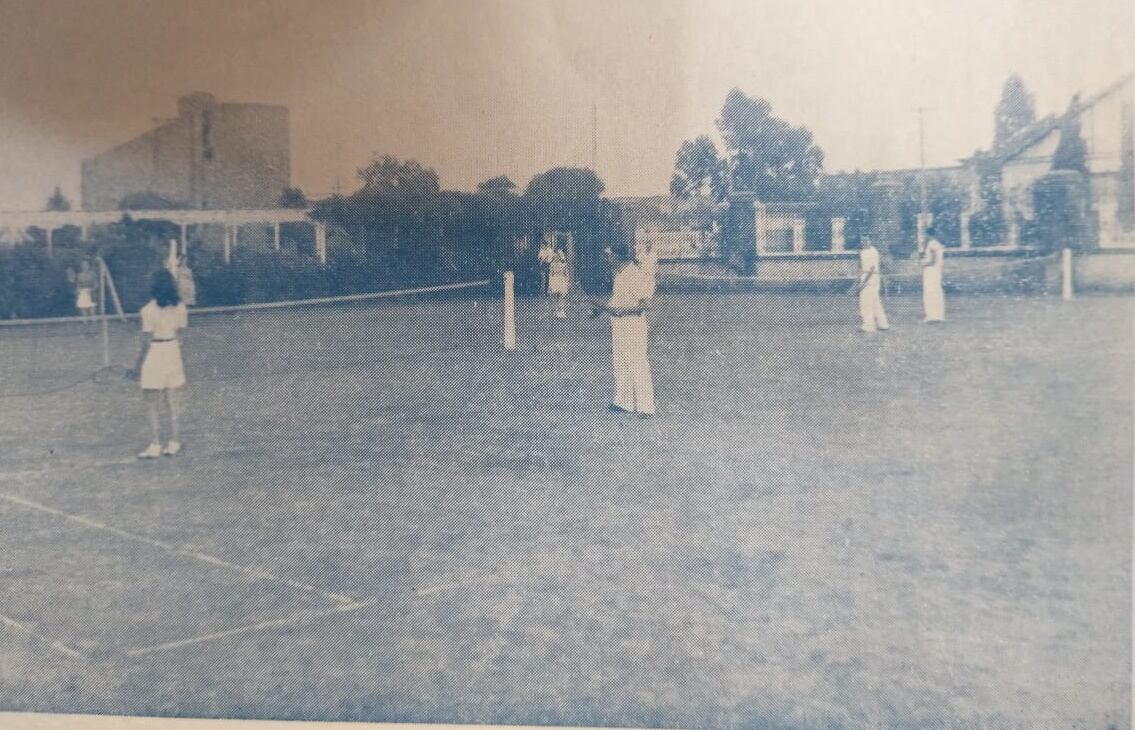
210 156
1106 124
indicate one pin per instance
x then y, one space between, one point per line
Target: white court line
202 557
56 645
486 580
295 618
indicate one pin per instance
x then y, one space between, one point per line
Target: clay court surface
382 515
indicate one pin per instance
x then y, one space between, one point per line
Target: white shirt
649 268
868 261
164 322
935 248
629 287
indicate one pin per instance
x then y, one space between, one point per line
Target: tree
57 201
766 155
570 199
565 183
502 185
398 216
292 198
1071 152
147 200
698 170
389 176
1015 111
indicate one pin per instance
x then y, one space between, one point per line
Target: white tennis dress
84 284
558 280
162 367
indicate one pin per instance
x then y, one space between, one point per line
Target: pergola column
184 238
838 240
797 234
276 235
230 242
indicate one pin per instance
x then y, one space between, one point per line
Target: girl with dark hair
159 365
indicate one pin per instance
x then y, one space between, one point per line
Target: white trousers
871 309
933 300
634 386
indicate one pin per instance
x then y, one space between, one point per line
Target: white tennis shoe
173 448
152 451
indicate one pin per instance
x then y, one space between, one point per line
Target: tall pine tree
1015 111
1071 152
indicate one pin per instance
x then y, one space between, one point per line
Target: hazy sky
481 88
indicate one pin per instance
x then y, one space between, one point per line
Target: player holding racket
159 365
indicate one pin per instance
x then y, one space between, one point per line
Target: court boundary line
302 616
58 646
257 573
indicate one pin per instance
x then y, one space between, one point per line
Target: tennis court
381 514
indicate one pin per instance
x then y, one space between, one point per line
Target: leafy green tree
1015 111
1071 152
565 184
147 200
569 199
398 217
57 201
292 198
502 185
766 155
388 176
698 170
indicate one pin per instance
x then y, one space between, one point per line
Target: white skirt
558 285
83 299
162 367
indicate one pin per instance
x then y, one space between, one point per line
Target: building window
207 135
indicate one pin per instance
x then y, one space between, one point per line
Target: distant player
84 291
159 366
186 285
546 254
630 295
559 283
933 299
870 303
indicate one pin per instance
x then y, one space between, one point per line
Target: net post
102 313
1067 275
509 311
113 291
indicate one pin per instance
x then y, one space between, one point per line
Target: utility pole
922 158
594 143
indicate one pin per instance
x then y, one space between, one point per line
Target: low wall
1106 270
966 270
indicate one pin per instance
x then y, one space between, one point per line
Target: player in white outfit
933 299
159 365
559 283
630 295
546 255
870 303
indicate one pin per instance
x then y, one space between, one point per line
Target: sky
480 88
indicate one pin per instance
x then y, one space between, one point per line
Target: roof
1040 129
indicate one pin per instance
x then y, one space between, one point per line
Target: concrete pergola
230 219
